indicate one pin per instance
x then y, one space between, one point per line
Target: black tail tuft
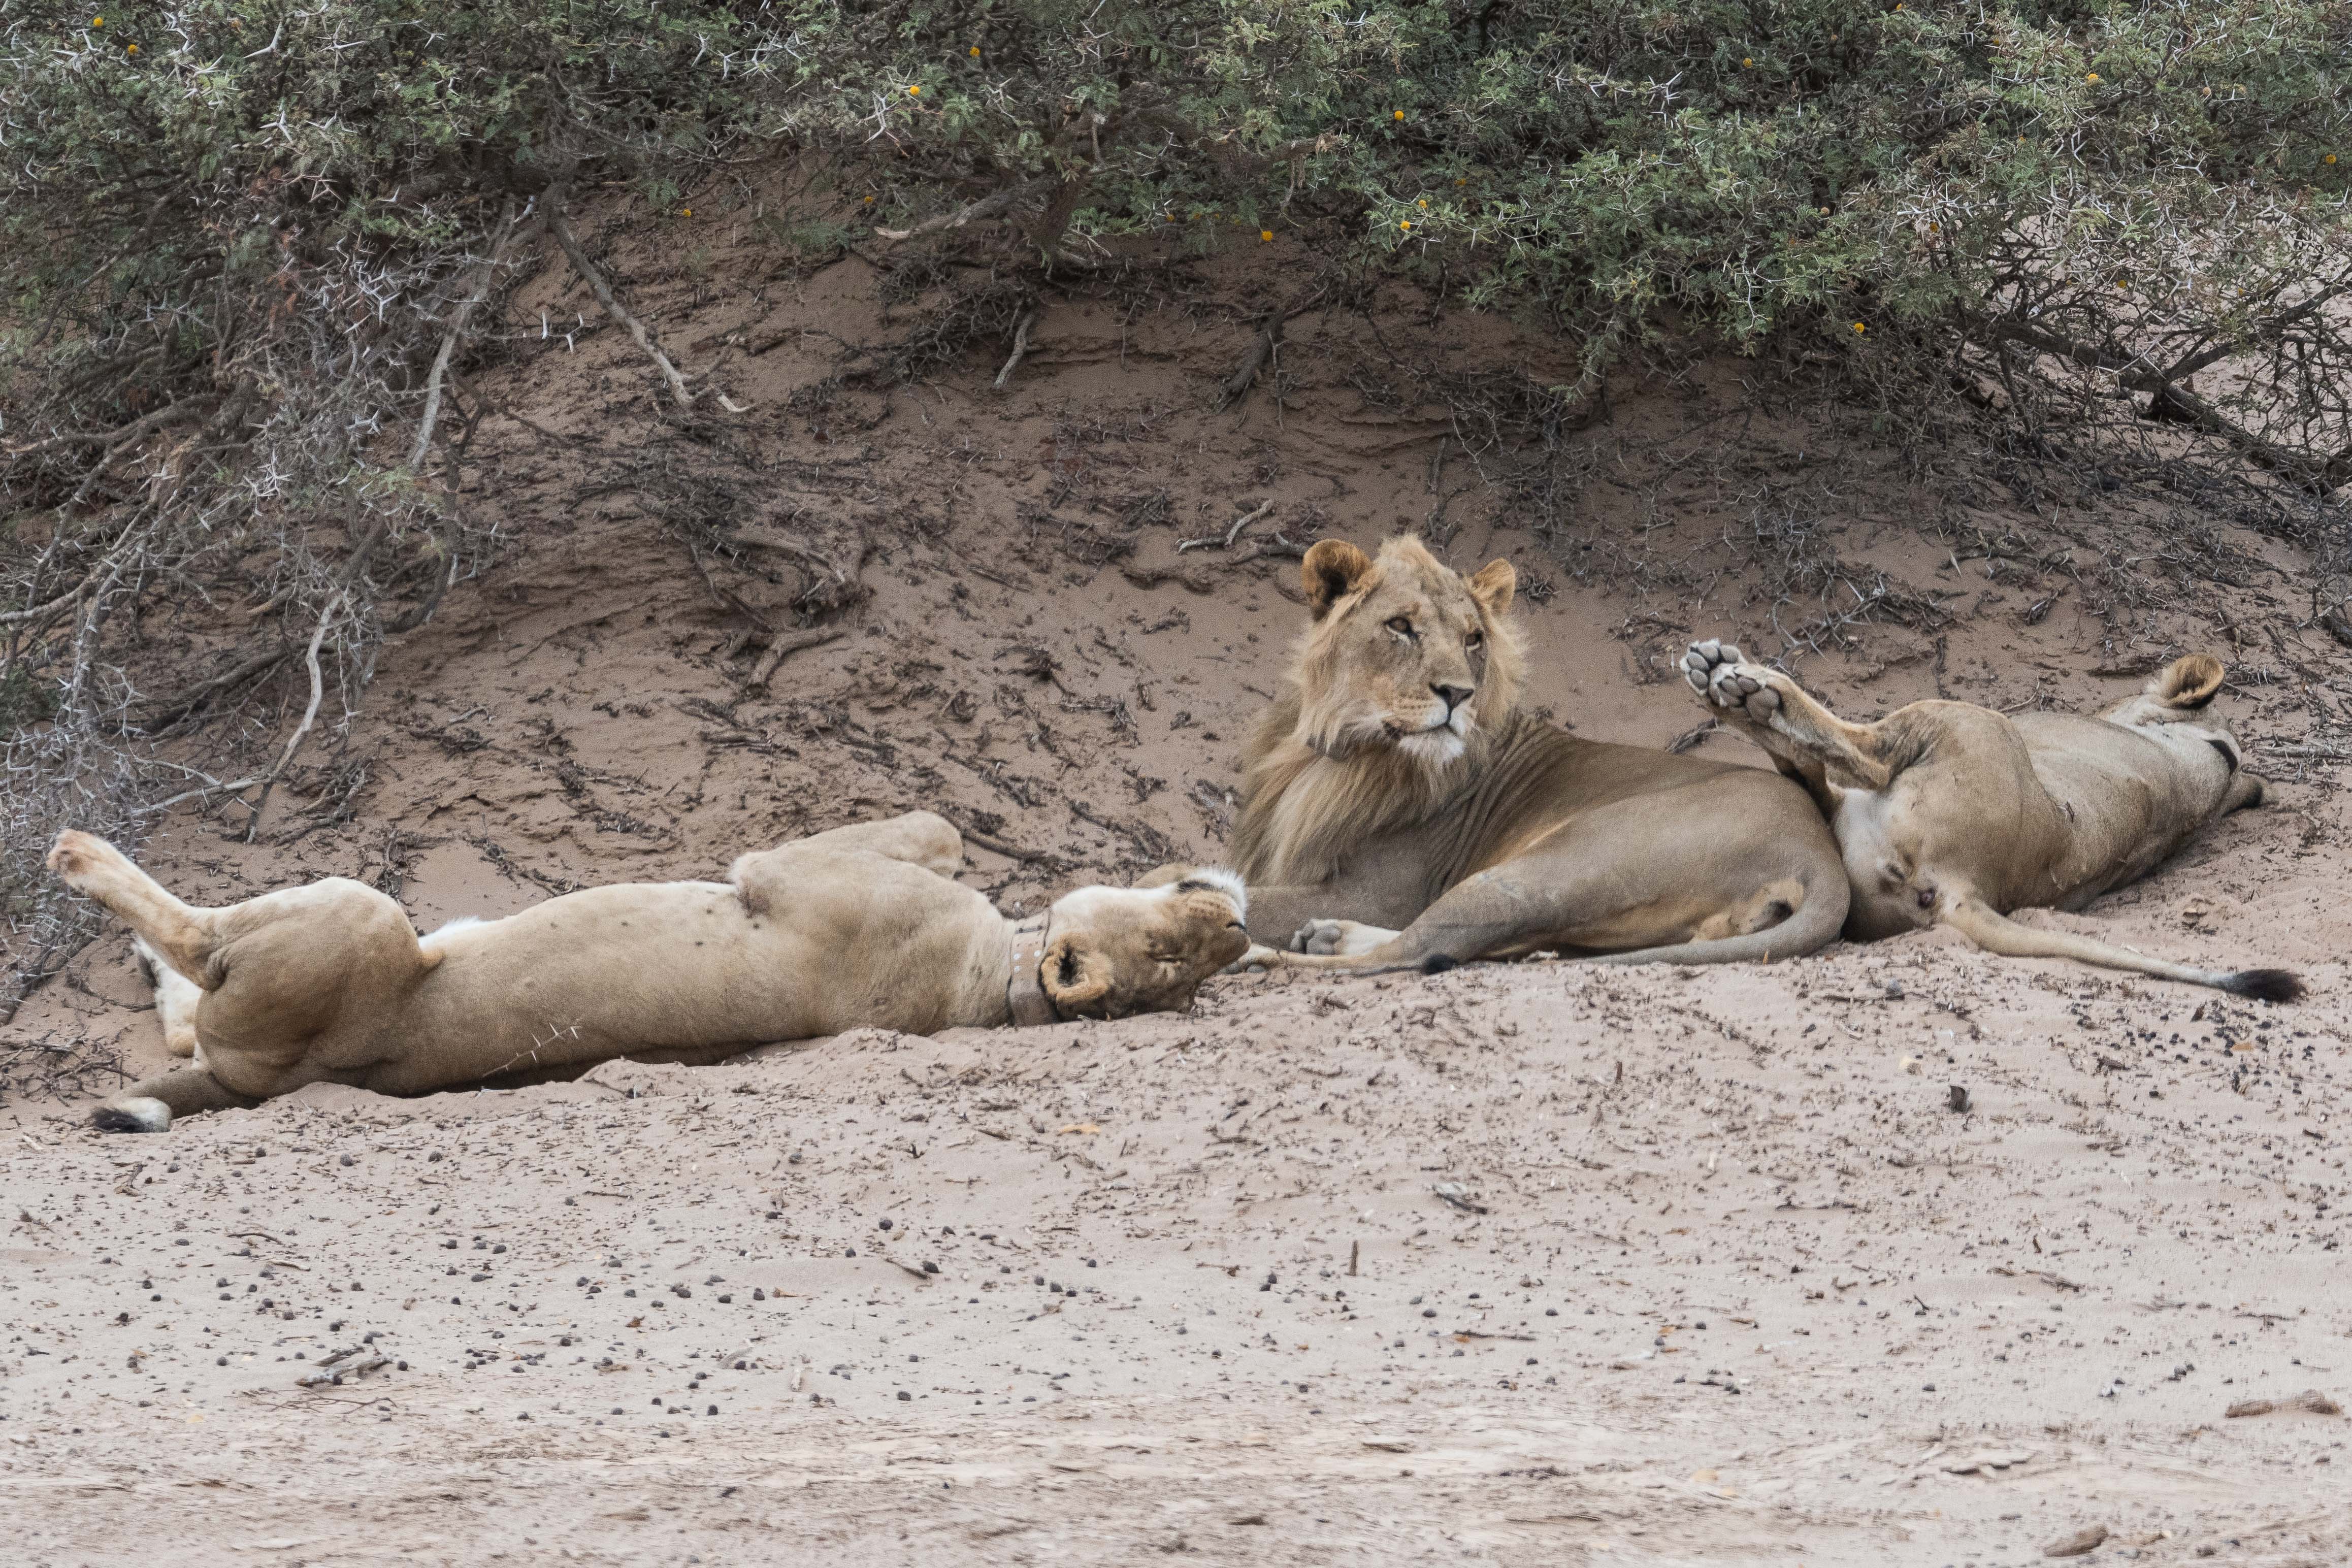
1438 963
106 1118
2265 984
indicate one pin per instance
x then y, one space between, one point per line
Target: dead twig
309 716
1230 533
561 228
1020 348
473 296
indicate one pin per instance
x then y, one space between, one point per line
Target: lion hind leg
1996 932
1784 719
178 933
176 999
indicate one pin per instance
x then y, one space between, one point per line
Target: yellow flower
686 212
1864 326
98 21
1397 114
1749 63
1424 204
1267 234
2093 77
975 51
130 49
915 91
2330 159
1935 228
1407 227
1461 182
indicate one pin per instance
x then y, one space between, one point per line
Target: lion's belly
681 966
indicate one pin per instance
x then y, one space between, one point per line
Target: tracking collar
1023 989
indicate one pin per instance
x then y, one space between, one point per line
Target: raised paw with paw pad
1718 672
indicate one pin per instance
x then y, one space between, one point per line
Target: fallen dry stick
2078 1544
2310 1399
1230 533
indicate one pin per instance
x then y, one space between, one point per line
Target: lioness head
1113 952
2176 706
1405 652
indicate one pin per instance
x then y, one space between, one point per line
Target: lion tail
1996 932
1812 925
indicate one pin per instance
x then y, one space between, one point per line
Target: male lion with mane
1401 811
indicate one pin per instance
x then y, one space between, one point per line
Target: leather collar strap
1023 989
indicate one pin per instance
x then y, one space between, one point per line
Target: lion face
1114 951
1406 653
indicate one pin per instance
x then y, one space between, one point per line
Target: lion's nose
1453 695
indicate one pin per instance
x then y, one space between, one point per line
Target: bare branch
559 226
483 275
1020 348
988 206
309 716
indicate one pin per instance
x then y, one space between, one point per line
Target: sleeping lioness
1952 813
860 926
1400 809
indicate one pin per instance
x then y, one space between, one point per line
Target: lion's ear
1330 573
2190 681
1074 976
1493 585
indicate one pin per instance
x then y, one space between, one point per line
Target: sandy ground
1528 1265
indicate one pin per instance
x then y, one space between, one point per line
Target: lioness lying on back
852 928
1948 812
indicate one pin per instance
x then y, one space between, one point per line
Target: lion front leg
1344 939
1785 720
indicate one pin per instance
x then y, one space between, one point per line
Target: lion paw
1718 671
76 855
1340 939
